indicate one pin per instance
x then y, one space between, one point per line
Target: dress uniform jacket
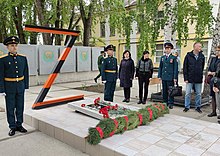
109 69
14 73
168 69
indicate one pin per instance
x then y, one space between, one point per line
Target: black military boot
12 132
21 129
139 102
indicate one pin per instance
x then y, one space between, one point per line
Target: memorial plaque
30 51
83 59
96 51
48 56
70 62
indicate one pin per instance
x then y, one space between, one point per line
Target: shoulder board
21 55
4 55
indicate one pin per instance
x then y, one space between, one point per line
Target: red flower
83 105
115 107
104 111
96 101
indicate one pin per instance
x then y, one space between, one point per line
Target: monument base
179 100
168 135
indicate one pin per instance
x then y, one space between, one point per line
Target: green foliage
145 115
148 23
203 18
121 125
107 125
144 13
94 137
133 120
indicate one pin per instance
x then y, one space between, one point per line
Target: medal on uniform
162 59
9 62
171 60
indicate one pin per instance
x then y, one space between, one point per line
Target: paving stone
189 150
155 150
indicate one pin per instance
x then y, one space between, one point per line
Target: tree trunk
57 22
215 43
87 21
33 35
17 17
41 11
86 32
71 26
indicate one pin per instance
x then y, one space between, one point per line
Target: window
161 19
112 31
102 29
205 50
158 52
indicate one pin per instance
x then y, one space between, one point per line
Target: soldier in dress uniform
14 80
168 73
99 62
109 74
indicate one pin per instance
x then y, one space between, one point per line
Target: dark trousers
177 80
127 93
98 76
166 98
15 109
143 81
109 90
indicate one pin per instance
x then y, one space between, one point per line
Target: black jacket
214 65
126 73
193 68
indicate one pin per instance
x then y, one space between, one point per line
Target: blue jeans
198 88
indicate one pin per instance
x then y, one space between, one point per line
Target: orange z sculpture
39 102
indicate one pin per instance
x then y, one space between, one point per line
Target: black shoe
144 102
185 109
12 132
218 117
198 110
219 122
124 100
95 80
212 114
170 106
139 102
127 100
21 129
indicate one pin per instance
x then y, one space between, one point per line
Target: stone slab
168 135
93 112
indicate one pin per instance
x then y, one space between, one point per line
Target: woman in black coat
144 72
126 74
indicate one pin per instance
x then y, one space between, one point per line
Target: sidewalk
37 143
